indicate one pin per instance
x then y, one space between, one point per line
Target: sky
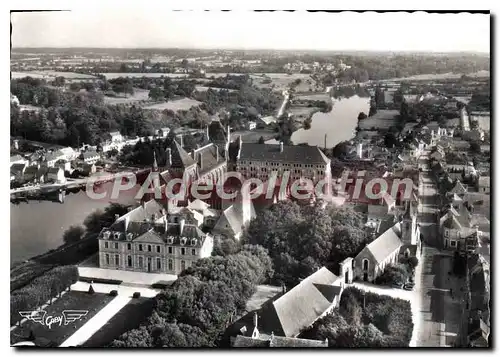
347 31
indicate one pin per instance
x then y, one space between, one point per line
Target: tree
362 115
413 262
341 150
475 147
351 310
73 234
261 140
156 94
393 274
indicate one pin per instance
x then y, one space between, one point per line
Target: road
439 315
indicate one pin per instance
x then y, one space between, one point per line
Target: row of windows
284 164
170 262
150 248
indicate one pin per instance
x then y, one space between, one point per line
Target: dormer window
106 234
193 241
130 236
183 241
170 240
117 235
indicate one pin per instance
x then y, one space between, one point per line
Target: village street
439 313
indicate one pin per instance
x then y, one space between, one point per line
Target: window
129 261
183 251
170 264
193 251
107 259
129 246
117 259
183 265
158 263
140 247
170 250
158 248
446 233
453 243
106 245
141 263
149 247
365 264
116 245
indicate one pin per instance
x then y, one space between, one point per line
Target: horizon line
256 49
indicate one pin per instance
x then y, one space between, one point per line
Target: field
204 89
73 300
382 120
282 81
23 273
313 96
175 105
139 95
430 77
51 74
253 136
302 113
128 318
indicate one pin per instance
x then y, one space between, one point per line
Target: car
408 286
397 285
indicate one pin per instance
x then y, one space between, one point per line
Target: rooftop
290 153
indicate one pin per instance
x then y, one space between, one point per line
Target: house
267 120
438 154
69 153
56 175
86 169
63 164
251 125
162 132
288 314
458 225
18 159
52 157
116 136
269 341
384 250
236 218
483 184
152 238
35 174
90 157
17 171
476 135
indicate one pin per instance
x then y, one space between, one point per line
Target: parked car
397 285
408 286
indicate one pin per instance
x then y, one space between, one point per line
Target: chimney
182 222
193 154
208 135
200 160
216 152
283 289
117 216
169 156
16 144
181 142
281 146
255 319
143 203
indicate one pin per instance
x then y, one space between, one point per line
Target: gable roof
385 244
459 188
180 158
290 154
306 302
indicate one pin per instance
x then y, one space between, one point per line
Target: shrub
136 295
113 293
91 290
100 281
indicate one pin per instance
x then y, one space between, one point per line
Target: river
338 124
38 226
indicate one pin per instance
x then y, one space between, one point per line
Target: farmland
302 113
313 96
431 77
139 95
52 74
175 105
282 81
204 89
381 120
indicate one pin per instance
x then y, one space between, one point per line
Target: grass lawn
128 318
73 300
175 105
